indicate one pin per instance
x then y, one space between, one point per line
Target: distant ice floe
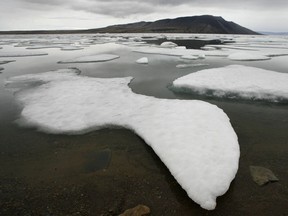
143 60
91 59
21 54
236 81
1 69
189 57
247 56
168 44
193 138
183 66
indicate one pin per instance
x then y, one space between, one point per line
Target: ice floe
236 81
189 57
194 139
183 66
168 44
247 56
91 58
143 60
21 54
1 69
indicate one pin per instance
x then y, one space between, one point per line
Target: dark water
107 171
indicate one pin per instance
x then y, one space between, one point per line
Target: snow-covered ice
183 66
247 56
193 138
168 44
236 81
21 54
143 60
189 57
92 58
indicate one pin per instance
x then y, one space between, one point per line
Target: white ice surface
168 44
143 60
183 66
92 58
21 54
237 80
247 56
180 52
189 57
193 138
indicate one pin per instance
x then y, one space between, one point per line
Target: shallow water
110 170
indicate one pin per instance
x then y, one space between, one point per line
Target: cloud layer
113 11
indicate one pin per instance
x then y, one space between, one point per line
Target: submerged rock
139 210
262 175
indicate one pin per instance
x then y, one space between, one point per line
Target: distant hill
194 24
205 24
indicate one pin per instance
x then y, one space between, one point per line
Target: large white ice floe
193 138
236 81
247 56
92 58
21 54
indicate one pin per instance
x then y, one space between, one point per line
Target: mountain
194 24
205 24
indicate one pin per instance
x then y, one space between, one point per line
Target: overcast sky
258 15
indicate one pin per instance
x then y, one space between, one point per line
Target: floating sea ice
21 54
247 56
71 48
180 52
180 47
208 48
43 47
183 66
143 60
189 57
1 68
92 58
168 44
194 139
236 81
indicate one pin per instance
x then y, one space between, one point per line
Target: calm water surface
107 171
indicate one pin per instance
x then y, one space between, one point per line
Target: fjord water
110 170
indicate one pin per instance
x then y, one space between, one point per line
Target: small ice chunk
208 48
247 56
189 57
237 80
143 60
202 56
92 58
180 47
194 139
168 44
183 66
262 175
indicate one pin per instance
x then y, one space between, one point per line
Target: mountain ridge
206 24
